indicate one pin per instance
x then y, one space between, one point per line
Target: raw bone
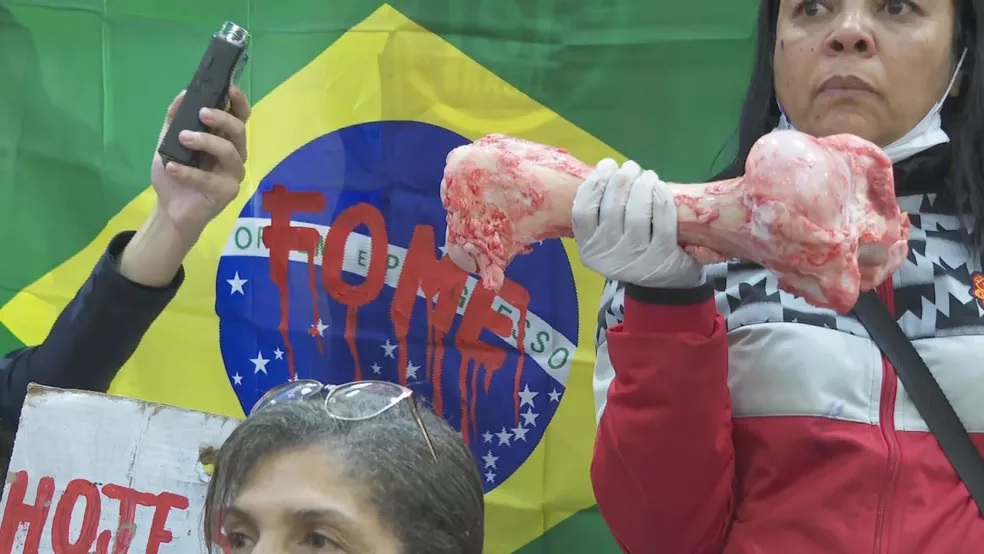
820 213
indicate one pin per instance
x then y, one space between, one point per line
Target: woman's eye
810 7
238 540
897 7
320 541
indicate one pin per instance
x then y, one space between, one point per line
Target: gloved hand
625 226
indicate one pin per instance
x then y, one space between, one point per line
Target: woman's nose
851 36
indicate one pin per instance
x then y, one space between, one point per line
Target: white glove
625 225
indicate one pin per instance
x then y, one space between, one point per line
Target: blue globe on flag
350 304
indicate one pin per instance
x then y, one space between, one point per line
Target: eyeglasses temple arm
423 428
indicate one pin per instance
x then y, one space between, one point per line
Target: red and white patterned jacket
738 419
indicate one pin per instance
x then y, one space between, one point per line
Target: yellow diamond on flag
385 102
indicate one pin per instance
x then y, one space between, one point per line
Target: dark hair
963 115
432 507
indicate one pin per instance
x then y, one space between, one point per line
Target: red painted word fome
441 282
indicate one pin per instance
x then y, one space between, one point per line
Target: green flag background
83 85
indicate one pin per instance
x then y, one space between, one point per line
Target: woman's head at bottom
293 479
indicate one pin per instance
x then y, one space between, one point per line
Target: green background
83 84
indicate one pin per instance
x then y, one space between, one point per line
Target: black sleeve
673 297
94 336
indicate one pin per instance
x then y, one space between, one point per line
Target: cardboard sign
99 474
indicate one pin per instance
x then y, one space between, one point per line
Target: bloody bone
819 212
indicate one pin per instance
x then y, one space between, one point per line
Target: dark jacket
94 336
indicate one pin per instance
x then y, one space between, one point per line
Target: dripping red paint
441 282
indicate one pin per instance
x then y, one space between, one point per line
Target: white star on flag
529 418
237 379
489 476
487 437
278 354
388 348
259 363
520 433
412 370
376 370
526 396
489 460
320 327
504 437
237 284
554 396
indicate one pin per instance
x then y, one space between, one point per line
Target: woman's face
300 502
872 68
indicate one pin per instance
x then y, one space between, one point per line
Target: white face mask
926 134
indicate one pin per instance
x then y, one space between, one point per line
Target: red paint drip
354 297
465 411
312 331
281 239
442 284
479 315
450 285
473 391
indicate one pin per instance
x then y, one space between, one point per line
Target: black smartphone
220 67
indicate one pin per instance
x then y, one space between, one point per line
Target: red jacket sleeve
663 467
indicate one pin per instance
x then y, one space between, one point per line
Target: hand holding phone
220 67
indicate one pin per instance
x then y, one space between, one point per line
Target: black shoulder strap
925 393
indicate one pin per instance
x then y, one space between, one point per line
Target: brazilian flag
356 104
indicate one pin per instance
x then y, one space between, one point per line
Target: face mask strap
784 124
953 78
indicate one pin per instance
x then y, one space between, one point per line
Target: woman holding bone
734 417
